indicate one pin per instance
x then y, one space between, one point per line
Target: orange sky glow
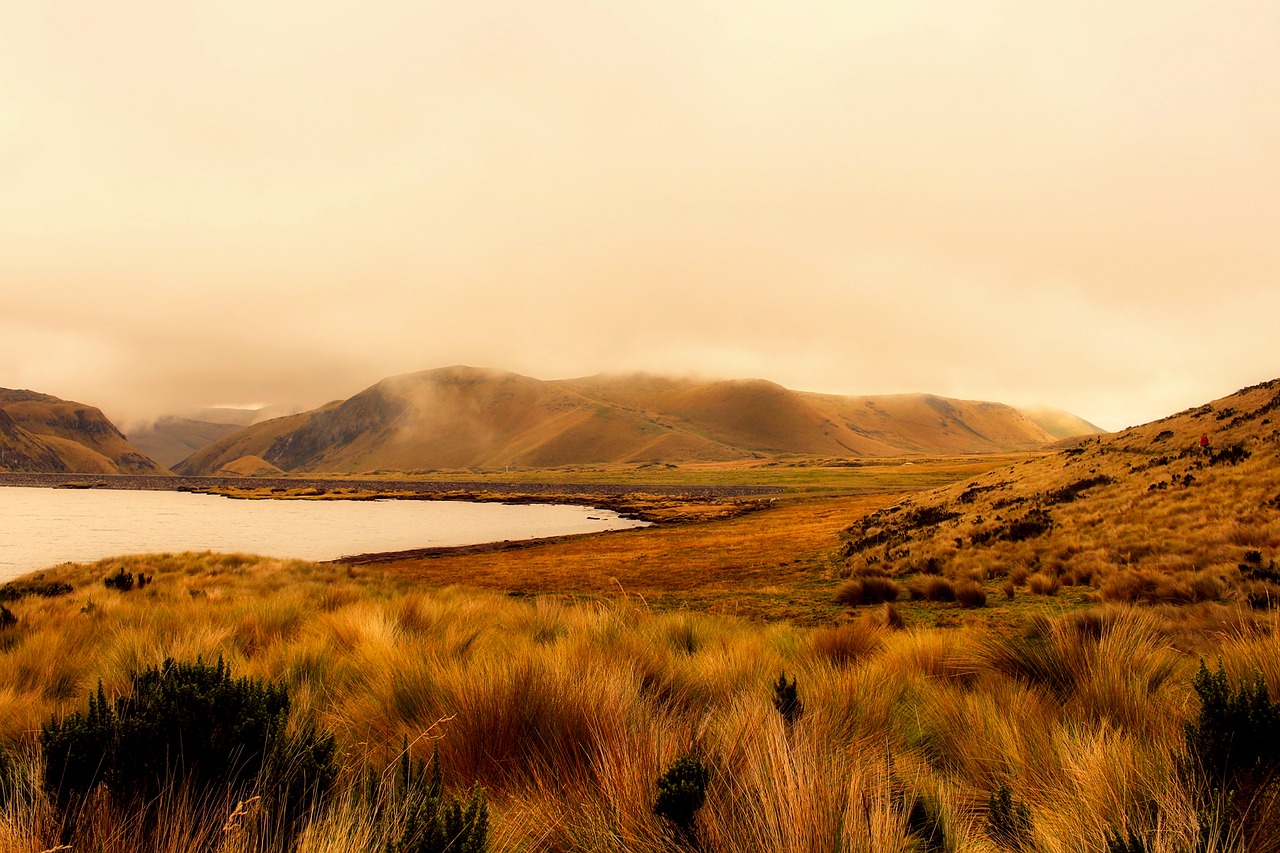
1071 204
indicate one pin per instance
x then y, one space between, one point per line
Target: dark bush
192 725
786 700
21 589
1230 455
681 791
1236 736
1008 820
7 619
121 580
425 821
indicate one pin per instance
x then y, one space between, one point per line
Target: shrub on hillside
124 581
1234 744
682 790
787 700
1008 819
867 590
186 726
15 590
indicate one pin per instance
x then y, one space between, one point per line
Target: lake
43 527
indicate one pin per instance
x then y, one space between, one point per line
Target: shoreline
372 489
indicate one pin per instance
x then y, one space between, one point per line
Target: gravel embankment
421 487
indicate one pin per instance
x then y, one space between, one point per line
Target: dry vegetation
1144 516
569 715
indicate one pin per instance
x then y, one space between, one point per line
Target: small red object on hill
1204 441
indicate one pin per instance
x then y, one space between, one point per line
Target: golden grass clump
867 590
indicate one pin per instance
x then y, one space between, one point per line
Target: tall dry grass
569 714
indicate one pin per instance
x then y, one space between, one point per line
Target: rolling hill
463 417
1147 514
44 433
170 439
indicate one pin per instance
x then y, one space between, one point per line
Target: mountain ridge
41 432
461 417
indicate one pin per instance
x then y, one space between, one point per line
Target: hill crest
461 417
46 433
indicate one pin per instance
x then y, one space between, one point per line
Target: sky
1073 204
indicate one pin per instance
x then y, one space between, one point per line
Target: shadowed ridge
22 451
82 438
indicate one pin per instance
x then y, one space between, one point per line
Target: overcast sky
237 201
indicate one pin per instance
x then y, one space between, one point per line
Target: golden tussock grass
569 713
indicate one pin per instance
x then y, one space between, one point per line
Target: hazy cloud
1064 203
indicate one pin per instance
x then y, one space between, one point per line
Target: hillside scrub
1144 516
569 716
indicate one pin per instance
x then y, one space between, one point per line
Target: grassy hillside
1060 424
463 418
1145 515
22 451
80 436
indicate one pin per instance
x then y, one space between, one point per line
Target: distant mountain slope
1060 424
763 417
461 417
1146 514
252 440
79 436
170 439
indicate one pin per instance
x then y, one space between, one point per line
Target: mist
1064 204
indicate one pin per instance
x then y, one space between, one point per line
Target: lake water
43 527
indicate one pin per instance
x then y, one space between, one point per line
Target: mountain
44 433
1147 514
22 451
1060 424
462 417
170 439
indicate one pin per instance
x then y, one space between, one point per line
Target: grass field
568 714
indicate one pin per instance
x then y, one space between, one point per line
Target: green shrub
187 725
681 791
1234 745
15 590
425 822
